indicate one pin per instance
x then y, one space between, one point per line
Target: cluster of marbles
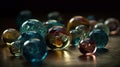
34 37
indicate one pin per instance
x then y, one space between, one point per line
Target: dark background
9 8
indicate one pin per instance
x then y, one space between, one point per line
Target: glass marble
57 38
55 15
15 48
23 16
103 27
29 35
33 25
51 23
87 46
113 25
100 37
34 50
9 35
78 34
75 21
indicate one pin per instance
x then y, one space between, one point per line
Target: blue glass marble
100 37
29 35
51 23
33 25
23 16
34 50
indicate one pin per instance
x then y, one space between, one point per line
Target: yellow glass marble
9 35
76 21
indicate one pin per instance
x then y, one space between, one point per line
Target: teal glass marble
23 16
113 25
103 27
9 35
100 37
29 35
33 25
51 23
58 38
55 15
78 34
34 50
87 46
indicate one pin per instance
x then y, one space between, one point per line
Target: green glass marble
78 34
102 27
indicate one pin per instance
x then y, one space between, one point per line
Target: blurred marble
113 25
23 16
9 35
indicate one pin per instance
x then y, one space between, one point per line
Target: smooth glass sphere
57 38
102 27
9 35
76 21
100 37
87 46
33 25
113 25
34 50
78 34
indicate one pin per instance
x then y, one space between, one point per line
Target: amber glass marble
75 21
57 38
9 35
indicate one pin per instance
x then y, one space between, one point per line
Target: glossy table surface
70 57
